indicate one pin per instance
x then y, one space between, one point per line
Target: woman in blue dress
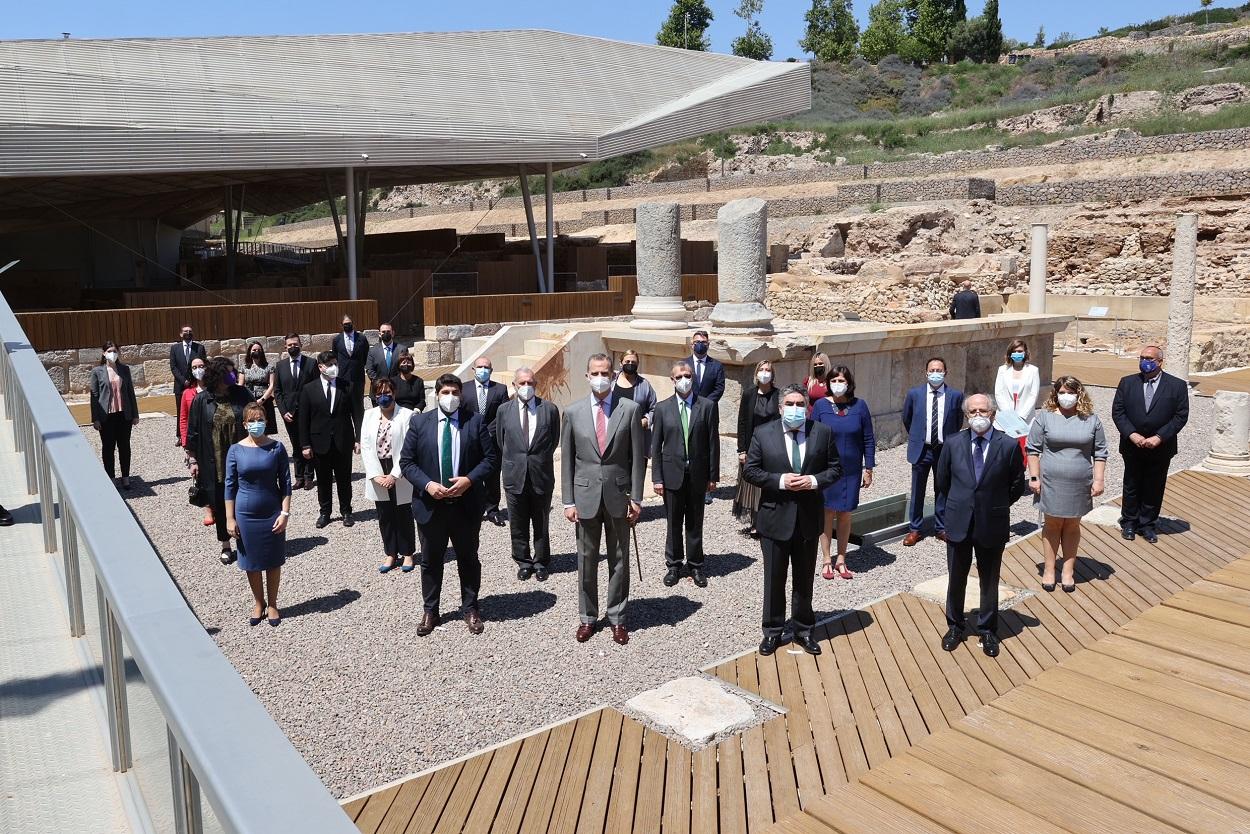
258 504
851 422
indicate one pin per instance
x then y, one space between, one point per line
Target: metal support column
229 236
188 813
47 505
29 449
528 200
551 235
118 716
73 577
349 214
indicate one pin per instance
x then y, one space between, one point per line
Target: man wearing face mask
1150 409
685 465
603 463
351 352
982 474
383 361
292 372
484 396
329 428
709 376
792 462
527 429
181 353
448 455
931 413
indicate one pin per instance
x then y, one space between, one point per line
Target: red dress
816 391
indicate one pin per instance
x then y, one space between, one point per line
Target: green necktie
685 428
447 461
796 462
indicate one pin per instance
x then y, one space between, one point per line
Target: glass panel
149 744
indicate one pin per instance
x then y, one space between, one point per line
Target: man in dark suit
791 462
709 377
383 361
290 376
931 412
484 396
685 465
527 431
181 353
330 431
981 472
1150 408
966 304
351 351
448 455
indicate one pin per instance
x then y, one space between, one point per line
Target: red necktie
601 428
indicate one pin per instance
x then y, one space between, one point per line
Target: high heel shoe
1048 587
843 572
273 621
1068 589
255 621
408 568
827 573
386 568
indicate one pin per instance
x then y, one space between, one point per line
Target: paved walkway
55 773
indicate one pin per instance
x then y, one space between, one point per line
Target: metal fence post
47 505
29 429
188 814
114 684
73 577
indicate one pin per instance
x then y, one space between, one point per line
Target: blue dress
257 479
857 449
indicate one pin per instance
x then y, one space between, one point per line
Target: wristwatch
283 514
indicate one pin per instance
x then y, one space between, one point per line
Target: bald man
966 304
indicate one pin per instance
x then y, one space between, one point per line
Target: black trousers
797 553
1145 479
959 557
463 533
115 439
303 467
219 511
178 389
529 509
395 522
335 466
684 509
492 490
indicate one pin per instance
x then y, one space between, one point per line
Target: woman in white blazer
1015 391
382 433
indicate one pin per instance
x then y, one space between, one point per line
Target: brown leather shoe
585 631
428 621
912 539
620 634
940 536
474 621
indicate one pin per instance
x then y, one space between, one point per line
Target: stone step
539 347
523 360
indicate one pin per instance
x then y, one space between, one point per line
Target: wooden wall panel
199 298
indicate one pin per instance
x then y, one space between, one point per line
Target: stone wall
1125 188
1220 348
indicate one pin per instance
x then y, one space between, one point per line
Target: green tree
1206 7
1040 40
934 22
686 26
831 30
990 45
753 43
885 34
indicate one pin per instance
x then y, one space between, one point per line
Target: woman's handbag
196 496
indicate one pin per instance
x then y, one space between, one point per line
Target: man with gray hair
981 472
966 304
527 430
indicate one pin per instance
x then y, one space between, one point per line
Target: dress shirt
327 388
940 393
455 442
789 436
1150 387
532 407
295 366
607 415
349 342
700 365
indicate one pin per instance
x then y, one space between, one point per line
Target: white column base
1227 464
741 317
659 312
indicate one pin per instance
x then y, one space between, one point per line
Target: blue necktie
978 457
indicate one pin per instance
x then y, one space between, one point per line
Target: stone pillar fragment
1037 269
1181 295
742 253
1230 434
658 232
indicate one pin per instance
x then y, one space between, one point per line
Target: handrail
219 727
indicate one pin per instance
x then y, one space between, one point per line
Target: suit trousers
528 509
684 510
395 522
780 555
115 438
1145 479
303 468
334 467
178 389
989 560
219 511
589 534
919 483
463 533
492 490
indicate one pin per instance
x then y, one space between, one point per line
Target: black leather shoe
347 519
1150 536
696 574
428 621
989 644
6 518
1127 534
768 645
671 578
322 521
954 636
807 644
540 573
524 574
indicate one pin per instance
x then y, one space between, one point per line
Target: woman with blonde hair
630 385
817 380
1067 451
760 404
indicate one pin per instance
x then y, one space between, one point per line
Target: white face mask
600 384
683 384
525 393
838 389
765 377
794 416
198 373
111 356
979 424
448 403
1067 400
330 371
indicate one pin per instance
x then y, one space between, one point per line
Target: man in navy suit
981 472
448 457
484 396
931 412
351 350
709 378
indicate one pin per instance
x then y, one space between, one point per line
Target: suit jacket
914 418
1169 411
200 431
496 395
321 428
369 454
589 479
713 384
670 463
180 365
746 414
768 459
525 462
420 463
102 393
286 389
375 364
980 510
966 305
352 365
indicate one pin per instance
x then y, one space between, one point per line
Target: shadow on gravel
723 564
866 558
517 606
139 488
321 605
660 611
297 547
1023 528
563 563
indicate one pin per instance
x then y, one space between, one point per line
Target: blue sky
634 20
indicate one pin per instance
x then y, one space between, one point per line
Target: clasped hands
797 483
1143 442
459 486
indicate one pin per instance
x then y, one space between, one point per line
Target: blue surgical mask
231 377
385 400
1148 366
794 416
255 429
1018 356
700 348
482 375
937 378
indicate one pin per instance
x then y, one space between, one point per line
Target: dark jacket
780 509
748 421
180 365
410 393
419 461
914 418
713 384
496 395
1169 411
670 464
966 305
200 430
375 365
528 465
286 388
980 510
352 365
102 393
323 429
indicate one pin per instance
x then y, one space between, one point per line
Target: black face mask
386 337
405 368
186 337
630 368
294 351
347 328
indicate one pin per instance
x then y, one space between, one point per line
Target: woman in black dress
258 379
214 424
760 405
409 388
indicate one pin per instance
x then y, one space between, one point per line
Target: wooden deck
1106 370
1124 706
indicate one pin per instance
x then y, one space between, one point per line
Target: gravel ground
366 701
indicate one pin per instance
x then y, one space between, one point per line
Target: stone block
234 347
139 377
51 358
154 350
485 329
315 343
1104 515
459 331
156 372
274 345
695 708
60 378
80 378
90 356
164 390
212 347
934 590
447 353
742 254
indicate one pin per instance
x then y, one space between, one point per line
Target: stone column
1037 269
742 234
658 232
1230 434
1181 296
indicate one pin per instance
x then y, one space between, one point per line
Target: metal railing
167 686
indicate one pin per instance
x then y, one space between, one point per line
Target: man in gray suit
603 462
527 429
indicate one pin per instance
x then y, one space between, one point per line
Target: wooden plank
677 790
434 802
870 732
625 778
353 808
649 804
733 806
799 727
854 761
375 808
460 803
572 785
901 632
870 645
857 809
755 775
599 779
1231 577
405 805
987 681
1220 591
703 810
486 804
517 795
1233 613
914 699
1200 637
547 778
1220 678
825 740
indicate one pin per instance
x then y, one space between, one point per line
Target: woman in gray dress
1068 449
